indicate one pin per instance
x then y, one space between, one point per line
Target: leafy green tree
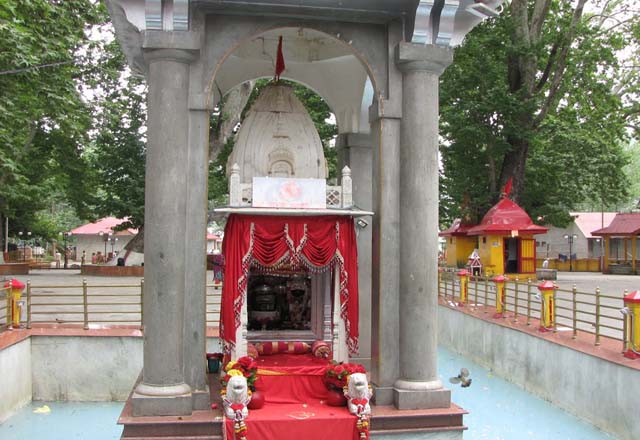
532 95
43 119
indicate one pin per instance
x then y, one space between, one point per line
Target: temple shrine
504 240
299 270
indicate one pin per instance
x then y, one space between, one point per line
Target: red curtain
317 243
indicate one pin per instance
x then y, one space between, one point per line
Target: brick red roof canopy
622 224
504 217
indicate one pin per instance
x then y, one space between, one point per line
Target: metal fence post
28 303
85 304
475 290
597 315
9 293
515 301
142 304
529 301
574 292
486 293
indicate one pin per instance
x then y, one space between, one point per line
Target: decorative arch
369 55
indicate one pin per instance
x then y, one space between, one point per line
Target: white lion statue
237 398
358 394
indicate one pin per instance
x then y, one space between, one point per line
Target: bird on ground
463 378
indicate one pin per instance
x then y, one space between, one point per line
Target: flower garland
336 374
245 366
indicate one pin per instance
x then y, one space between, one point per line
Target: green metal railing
594 313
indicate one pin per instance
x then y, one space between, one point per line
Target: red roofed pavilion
625 226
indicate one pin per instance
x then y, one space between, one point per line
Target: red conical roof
503 218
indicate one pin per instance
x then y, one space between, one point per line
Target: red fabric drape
317 243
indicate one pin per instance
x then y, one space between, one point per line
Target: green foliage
561 143
119 154
218 182
43 120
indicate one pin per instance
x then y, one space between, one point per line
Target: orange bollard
16 293
501 297
464 287
548 307
632 317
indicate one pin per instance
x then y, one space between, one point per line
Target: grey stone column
354 151
418 385
195 252
163 389
385 284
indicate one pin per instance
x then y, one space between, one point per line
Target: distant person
545 263
94 258
83 259
58 257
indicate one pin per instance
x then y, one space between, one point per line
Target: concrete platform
386 422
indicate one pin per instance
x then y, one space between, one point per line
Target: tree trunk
137 243
230 116
2 238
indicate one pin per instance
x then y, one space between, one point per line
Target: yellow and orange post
16 294
548 306
632 320
464 287
501 296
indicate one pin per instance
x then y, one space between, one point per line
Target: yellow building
459 245
505 240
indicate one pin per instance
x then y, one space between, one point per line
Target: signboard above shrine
283 192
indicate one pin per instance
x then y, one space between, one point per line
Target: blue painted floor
65 421
498 410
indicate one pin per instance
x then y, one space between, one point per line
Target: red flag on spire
279 61
506 190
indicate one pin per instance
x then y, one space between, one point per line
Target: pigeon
463 378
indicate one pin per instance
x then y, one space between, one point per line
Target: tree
531 96
43 119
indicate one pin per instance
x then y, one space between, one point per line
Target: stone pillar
385 254
195 249
418 385
163 389
354 150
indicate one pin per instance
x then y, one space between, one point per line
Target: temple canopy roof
278 139
457 229
504 218
623 224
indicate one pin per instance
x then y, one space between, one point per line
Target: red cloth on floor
297 422
289 378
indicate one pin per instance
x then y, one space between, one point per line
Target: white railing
338 196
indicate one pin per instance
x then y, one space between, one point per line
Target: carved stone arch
281 163
363 41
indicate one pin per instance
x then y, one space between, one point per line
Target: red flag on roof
279 61
506 190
